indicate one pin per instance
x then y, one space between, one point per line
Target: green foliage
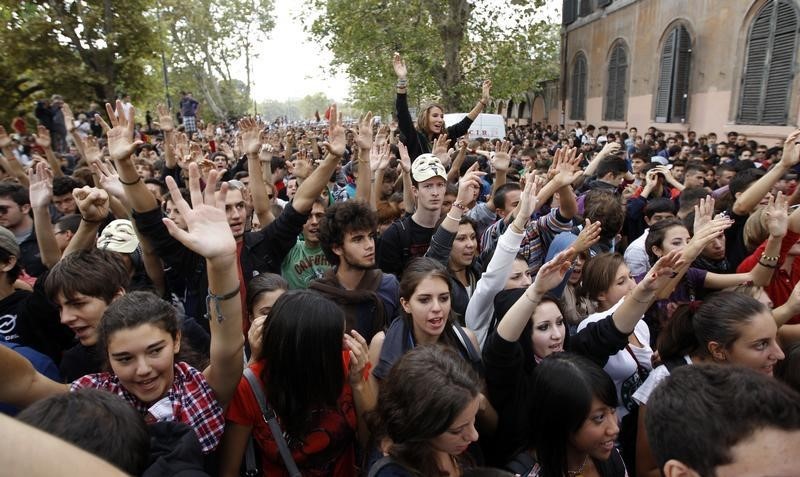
94 50
449 47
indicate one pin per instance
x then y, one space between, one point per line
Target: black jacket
416 141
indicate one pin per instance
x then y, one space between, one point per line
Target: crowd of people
397 299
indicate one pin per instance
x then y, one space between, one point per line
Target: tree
207 36
450 46
83 49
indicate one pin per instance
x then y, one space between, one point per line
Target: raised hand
588 236
502 158
165 121
109 179
791 150
662 272
208 232
359 356
405 159
379 159
705 235
703 212
553 272
5 139
527 202
336 142
440 147
777 215
42 137
225 148
69 118
41 185
91 150
250 133
364 136
92 202
399 66
120 136
610 148
265 154
383 134
486 91
468 184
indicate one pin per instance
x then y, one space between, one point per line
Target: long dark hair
694 325
302 353
564 385
419 400
417 270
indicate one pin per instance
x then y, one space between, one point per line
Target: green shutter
666 72
680 89
622 74
570 11
610 106
603 3
769 65
578 85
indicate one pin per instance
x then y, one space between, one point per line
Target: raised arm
93 205
644 295
311 188
378 163
452 174
252 144
41 194
750 198
43 140
409 204
22 385
547 278
609 149
121 147
9 160
486 96
210 236
364 143
501 162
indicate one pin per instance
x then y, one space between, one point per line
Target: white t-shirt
642 395
621 366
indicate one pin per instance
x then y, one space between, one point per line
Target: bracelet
452 218
767 266
643 302
216 299
535 302
482 102
138 180
402 83
91 221
458 205
769 259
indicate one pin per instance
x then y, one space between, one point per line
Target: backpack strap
521 464
272 421
405 241
466 344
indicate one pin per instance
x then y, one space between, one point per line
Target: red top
782 283
327 450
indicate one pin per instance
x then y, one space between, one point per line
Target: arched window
672 94
769 65
615 89
577 109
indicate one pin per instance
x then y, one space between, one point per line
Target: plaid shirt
192 400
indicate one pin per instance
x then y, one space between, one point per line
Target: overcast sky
309 70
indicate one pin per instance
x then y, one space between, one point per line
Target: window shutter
622 70
680 89
578 85
603 3
781 65
612 83
570 11
664 90
586 8
582 89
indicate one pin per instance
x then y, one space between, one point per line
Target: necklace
579 472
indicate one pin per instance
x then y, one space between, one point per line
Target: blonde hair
755 230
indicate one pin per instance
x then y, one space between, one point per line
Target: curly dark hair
340 218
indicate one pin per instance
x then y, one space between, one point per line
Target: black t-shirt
79 361
735 250
9 323
402 241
